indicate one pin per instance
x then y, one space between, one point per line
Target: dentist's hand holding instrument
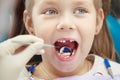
13 56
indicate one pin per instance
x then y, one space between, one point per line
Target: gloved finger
29 52
41 52
9 47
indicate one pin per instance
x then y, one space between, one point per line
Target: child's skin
58 19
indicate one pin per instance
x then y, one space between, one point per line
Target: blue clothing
114 28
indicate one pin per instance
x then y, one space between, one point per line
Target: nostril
62 28
70 28
66 28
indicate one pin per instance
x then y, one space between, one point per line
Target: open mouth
66 48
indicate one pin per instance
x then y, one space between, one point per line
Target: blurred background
113 21
5 18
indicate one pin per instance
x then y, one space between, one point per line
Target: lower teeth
65 54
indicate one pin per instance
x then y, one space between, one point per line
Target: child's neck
43 72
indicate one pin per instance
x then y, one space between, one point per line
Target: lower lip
65 59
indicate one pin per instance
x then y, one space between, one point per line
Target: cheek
44 28
86 30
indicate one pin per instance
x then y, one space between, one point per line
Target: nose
66 23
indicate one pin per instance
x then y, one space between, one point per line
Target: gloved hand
13 56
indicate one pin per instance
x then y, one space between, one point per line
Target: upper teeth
63 41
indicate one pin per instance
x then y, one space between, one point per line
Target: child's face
61 22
